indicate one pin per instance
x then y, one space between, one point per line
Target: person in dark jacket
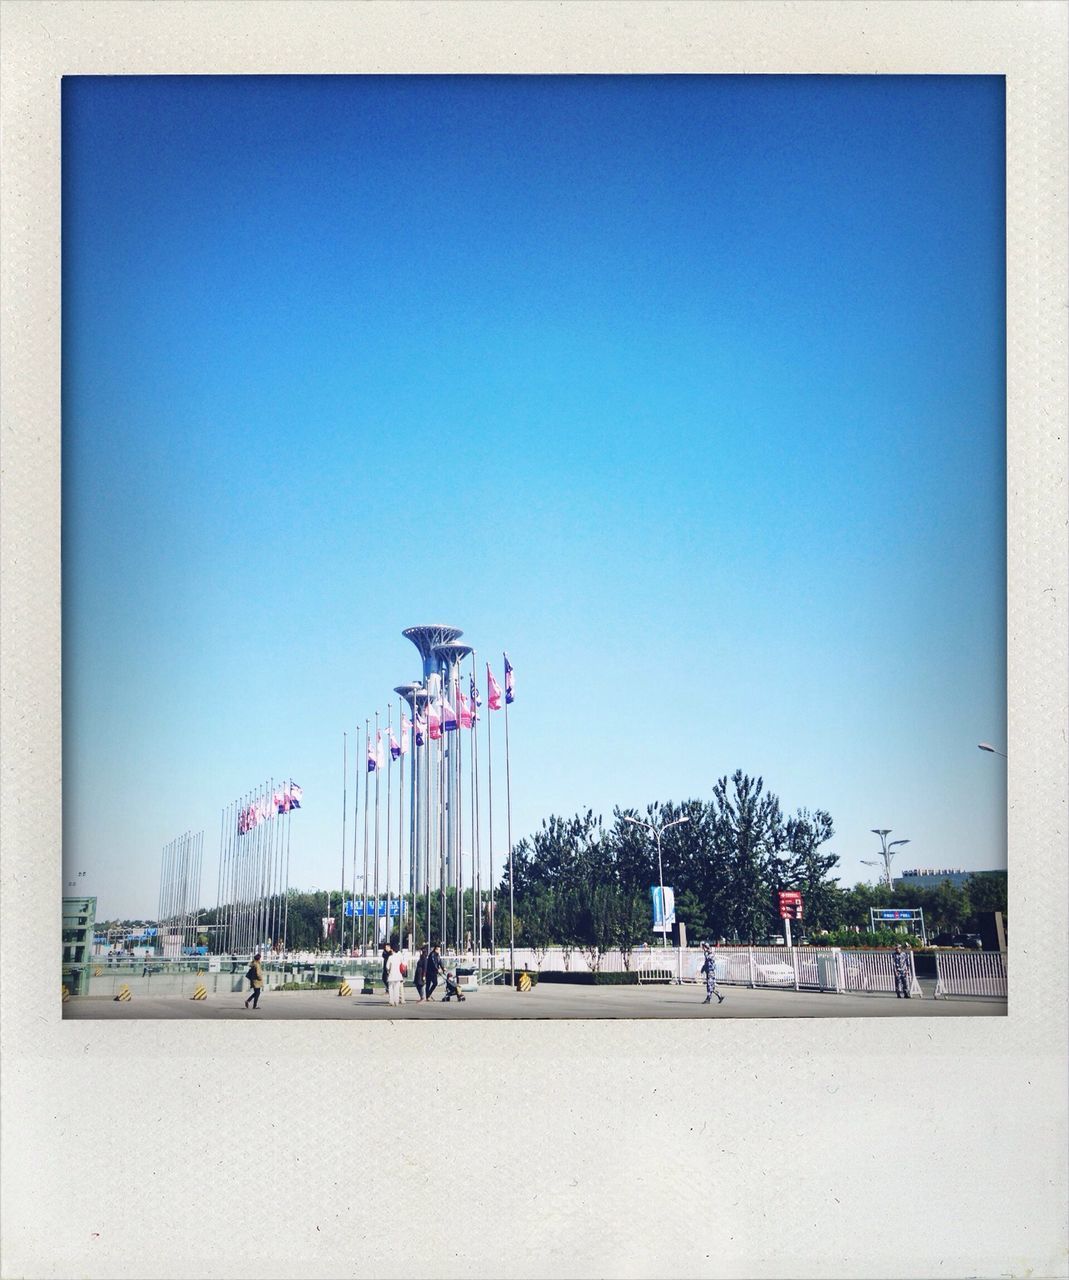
387 951
421 974
434 969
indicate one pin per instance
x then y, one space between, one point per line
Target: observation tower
450 655
416 696
430 795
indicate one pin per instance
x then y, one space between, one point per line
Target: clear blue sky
688 391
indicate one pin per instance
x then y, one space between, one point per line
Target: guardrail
830 969
970 973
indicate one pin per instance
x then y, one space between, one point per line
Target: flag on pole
371 761
395 746
493 690
476 700
421 730
406 729
463 710
449 716
510 693
434 721
296 795
380 754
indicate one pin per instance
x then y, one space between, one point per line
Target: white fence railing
970 973
796 968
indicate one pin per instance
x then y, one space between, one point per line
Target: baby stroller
451 988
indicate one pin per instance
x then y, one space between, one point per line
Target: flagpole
427 823
401 913
490 815
476 850
455 794
443 833
286 917
389 805
344 811
375 928
508 829
355 808
367 796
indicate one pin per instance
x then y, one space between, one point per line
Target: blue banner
357 908
669 906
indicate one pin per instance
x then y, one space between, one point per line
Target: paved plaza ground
548 1000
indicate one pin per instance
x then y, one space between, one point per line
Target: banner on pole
664 915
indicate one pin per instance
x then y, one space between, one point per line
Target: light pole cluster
886 853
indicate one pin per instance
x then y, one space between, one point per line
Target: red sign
790 904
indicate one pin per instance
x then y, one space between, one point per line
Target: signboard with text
790 904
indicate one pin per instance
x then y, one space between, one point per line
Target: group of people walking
429 969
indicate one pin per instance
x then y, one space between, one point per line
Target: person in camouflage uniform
709 969
900 966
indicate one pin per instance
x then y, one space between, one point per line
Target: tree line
581 882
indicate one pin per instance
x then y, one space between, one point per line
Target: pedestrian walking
255 975
421 974
900 965
435 964
395 978
709 969
387 951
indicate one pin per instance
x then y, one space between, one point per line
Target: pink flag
380 754
434 721
406 729
493 690
463 711
449 716
395 746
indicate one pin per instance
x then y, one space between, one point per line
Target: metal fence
796 968
970 973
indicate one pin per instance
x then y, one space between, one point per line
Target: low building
79 922
933 877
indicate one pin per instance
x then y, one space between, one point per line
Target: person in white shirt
395 979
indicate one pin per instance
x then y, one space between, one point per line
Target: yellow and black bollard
200 992
345 989
124 993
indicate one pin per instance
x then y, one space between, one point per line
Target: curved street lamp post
885 851
660 872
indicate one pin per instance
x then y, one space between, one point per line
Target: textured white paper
753 1149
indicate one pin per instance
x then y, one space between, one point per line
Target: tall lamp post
986 746
885 851
660 872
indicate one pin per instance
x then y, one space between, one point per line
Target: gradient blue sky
688 391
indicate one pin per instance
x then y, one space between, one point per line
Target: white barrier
970 973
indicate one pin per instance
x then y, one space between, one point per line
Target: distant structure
436 790
933 877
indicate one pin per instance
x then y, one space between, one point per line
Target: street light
885 851
986 746
660 873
